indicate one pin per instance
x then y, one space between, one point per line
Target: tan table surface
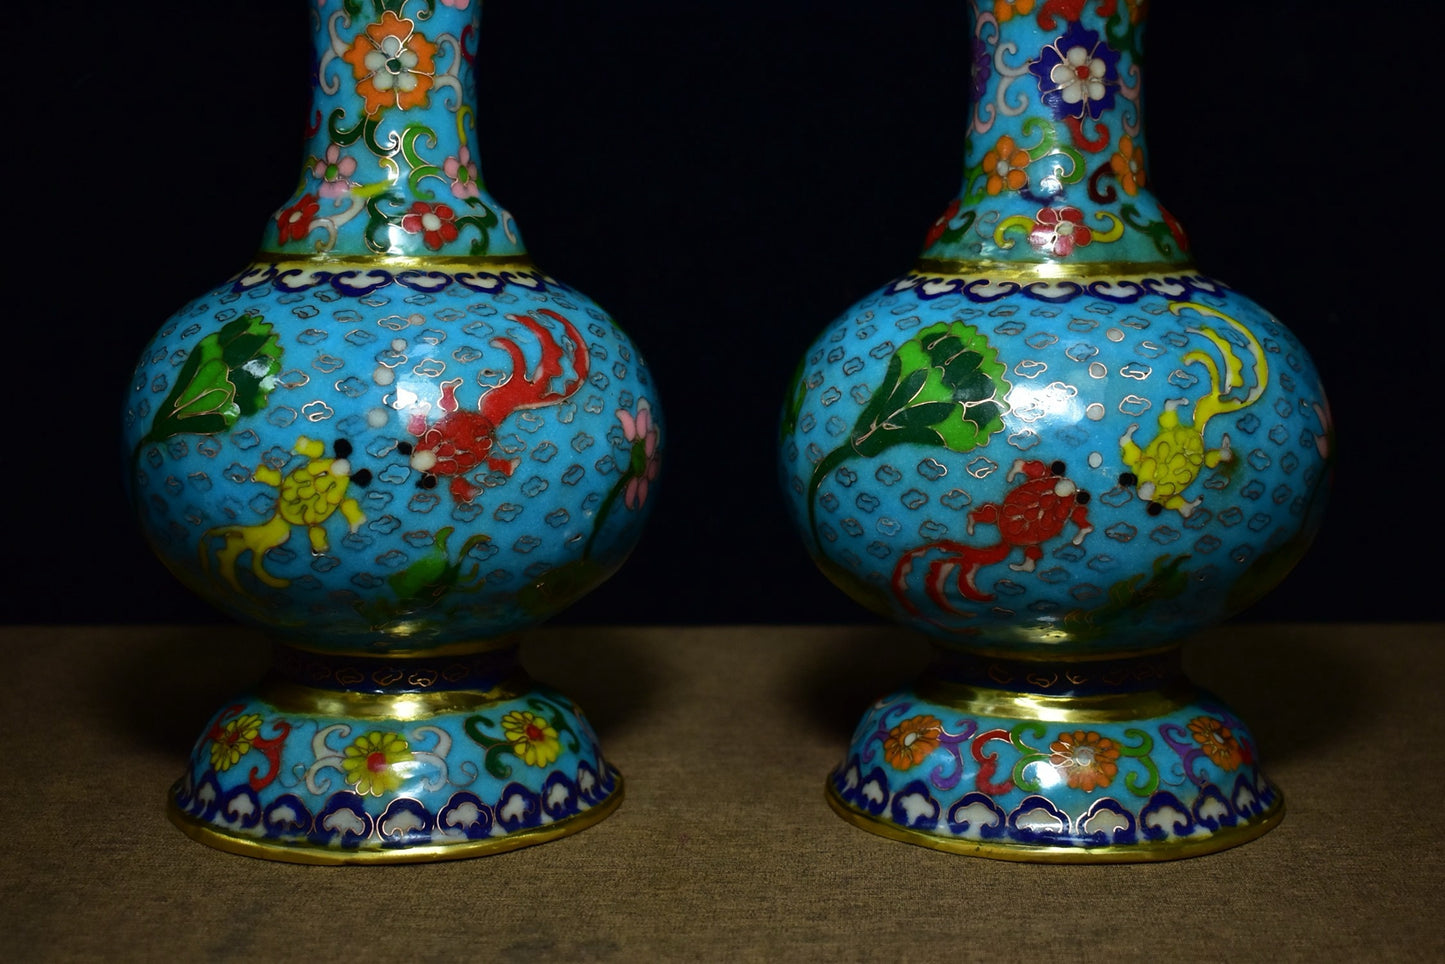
724 848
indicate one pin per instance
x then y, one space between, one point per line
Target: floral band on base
1177 784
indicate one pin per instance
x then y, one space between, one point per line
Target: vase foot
1090 761
371 760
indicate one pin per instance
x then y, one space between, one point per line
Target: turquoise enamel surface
1092 464
1055 441
1055 164
392 430
391 441
385 456
1174 778
391 153
341 788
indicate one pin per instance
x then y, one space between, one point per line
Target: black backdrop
725 179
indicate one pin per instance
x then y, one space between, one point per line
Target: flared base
338 760
1101 761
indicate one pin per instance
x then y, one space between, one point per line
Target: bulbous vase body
391 441
1058 448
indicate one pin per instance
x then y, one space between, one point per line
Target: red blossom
294 223
1176 229
436 223
938 228
1060 230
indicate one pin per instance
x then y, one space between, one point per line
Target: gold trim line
335 856
1152 851
1101 708
1051 271
439 263
291 697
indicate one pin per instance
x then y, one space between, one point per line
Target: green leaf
943 387
228 374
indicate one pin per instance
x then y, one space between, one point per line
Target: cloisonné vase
391 442
1057 448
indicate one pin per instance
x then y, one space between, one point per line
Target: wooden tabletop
724 848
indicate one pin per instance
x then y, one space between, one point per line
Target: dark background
725 179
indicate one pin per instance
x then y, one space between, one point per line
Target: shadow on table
606 670
1294 693
162 692
853 667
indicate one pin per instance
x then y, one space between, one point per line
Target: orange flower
1004 166
1128 165
1005 9
911 741
392 63
1087 759
1217 741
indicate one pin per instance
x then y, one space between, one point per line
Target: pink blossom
463 171
334 171
645 461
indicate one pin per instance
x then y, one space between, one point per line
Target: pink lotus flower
644 463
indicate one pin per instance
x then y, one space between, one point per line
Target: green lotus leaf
230 373
943 387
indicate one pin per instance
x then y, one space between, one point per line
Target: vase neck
390 166
1055 167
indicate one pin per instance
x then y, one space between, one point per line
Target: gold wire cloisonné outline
433 853
1147 852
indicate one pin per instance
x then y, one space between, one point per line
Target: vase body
1058 448
391 441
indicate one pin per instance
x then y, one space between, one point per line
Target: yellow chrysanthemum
370 762
234 741
532 737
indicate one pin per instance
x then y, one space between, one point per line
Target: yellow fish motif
1173 459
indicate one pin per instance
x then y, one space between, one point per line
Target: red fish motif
461 440
1032 513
